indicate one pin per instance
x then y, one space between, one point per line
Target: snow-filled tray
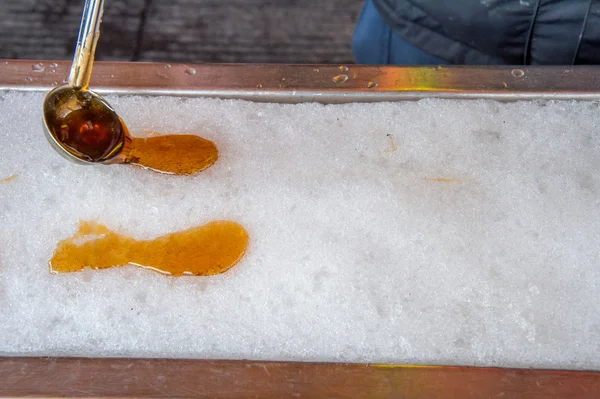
431 232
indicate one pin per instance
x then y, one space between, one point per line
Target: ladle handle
89 31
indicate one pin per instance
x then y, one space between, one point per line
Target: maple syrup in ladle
84 128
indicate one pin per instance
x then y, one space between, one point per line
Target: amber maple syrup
87 127
9 178
180 154
199 251
90 129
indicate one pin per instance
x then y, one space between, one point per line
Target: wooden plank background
271 31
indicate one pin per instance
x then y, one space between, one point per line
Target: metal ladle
79 124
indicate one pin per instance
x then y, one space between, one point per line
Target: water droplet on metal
65 80
343 68
28 79
167 66
517 73
259 86
316 70
53 65
54 83
39 67
112 76
372 85
53 71
283 79
340 78
190 71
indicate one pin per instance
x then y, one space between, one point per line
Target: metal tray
148 378
307 83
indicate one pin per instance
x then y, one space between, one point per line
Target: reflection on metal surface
302 83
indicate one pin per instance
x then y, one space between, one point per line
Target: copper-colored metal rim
152 378
301 83
157 378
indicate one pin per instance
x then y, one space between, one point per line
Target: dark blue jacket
559 32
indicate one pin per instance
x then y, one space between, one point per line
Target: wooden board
156 378
309 31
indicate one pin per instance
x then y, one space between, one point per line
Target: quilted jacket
558 32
